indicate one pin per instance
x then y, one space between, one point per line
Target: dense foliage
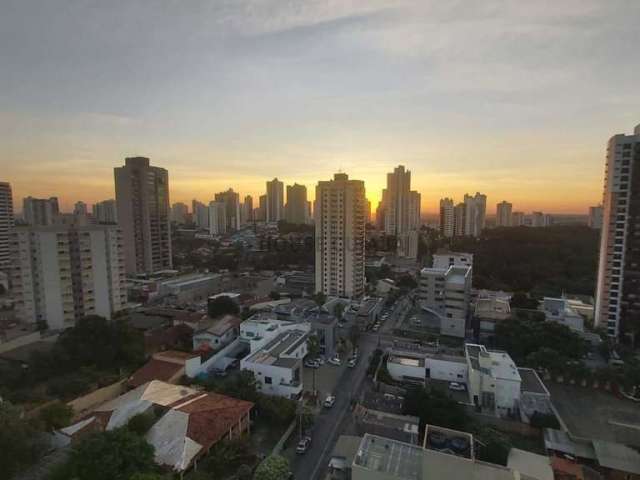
544 261
19 444
222 305
273 467
55 416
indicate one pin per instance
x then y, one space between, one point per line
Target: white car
320 360
458 387
311 364
335 361
329 401
352 362
303 445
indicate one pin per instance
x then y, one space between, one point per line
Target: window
268 380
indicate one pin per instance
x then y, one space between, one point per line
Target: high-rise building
368 212
397 205
446 217
247 208
61 273
540 219
275 201
218 218
142 196
260 213
340 235
105 211
475 214
296 208
415 222
179 212
503 214
231 202
40 211
6 223
517 219
80 208
459 220
381 211
200 214
618 288
595 217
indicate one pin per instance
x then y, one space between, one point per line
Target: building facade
517 219
179 212
274 201
61 273
142 196
247 208
475 214
40 211
231 202
340 236
446 217
6 223
105 211
296 208
595 217
503 214
618 287
218 218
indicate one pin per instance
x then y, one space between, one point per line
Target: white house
561 310
214 334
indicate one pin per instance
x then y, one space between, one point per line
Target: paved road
329 422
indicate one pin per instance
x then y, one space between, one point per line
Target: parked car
352 362
458 387
320 360
311 364
329 401
303 445
375 328
335 361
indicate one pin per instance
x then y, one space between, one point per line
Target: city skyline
359 88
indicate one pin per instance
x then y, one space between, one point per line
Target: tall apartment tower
381 210
340 235
247 207
296 208
595 217
218 222
618 288
80 208
142 197
275 201
446 217
105 211
61 273
231 202
517 219
475 214
40 211
179 212
415 222
459 219
200 213
503 214
397 205
6 223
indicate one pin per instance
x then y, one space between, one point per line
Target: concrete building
260 213
475 211
274 211
40 211
105 212
446 217
445 289
540 219
340 236
247 208
503 214
231 202
62 273
80 208
595 217
296 208
218 218
179 212
459 216
517 219
415 220
490 308
200 213
402 211
559 310
142 196
216 333
277 350
6 223
194 287
617 298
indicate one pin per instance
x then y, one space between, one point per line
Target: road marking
626 425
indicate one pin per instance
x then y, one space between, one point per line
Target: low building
530 464
188 422
385 286
368 311
214 334
323 324
490 308
168 366
560 310
534 396
189 288
404 428
421 366
342 457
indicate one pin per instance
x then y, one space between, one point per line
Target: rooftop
154 370
531 382
282 345
617 456
218 326
530 464
400 459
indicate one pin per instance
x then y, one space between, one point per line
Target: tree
320 298
141 423
150 476
56 416
244 472
241 386
435 408
19 445
273 467
113 455
494 446
522 300
407 282
313 346
338 311
222 305
273 295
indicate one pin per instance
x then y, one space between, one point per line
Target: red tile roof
154 370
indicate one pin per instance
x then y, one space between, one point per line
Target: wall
227 351
88 402
446 370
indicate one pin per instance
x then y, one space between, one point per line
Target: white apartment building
105 211
6 223
618 287
217 218
595 217
560 310
340 236
540 219
402 211
474 214
40 211
415 221
142 196
61 273
445 289
517 219
200 214
274 201
503 214
277 350
179 212
446 217
231 202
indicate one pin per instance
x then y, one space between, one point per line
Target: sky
513 99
